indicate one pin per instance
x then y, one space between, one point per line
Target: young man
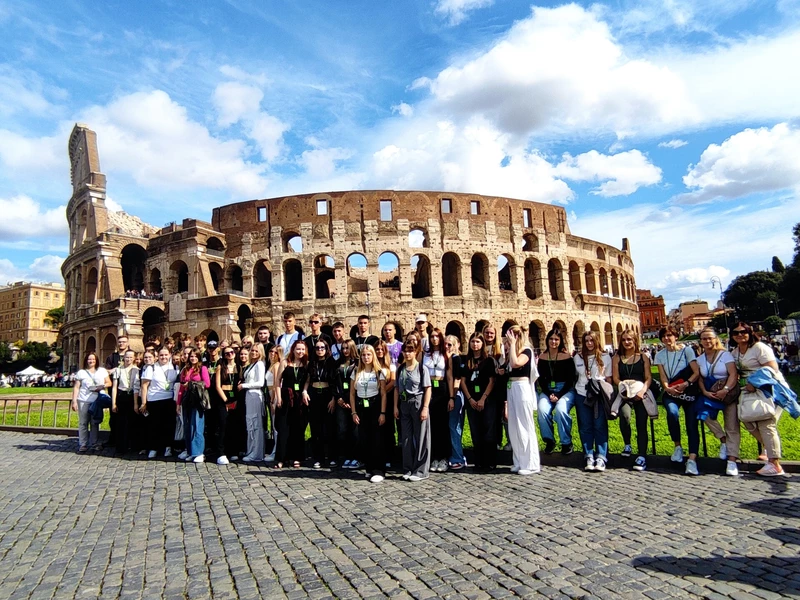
421 326
290 334
211 356
315 323
393 345
263 337
113 360
364 336
338 339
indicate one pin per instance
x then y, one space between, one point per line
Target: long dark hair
472 362
561 345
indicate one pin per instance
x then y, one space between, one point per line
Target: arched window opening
293 280
244 319
133 261
533 279
215 247
451 274
601 254
506 273
479 269
91 345
357 275
591 285
609 335
577 333
180 273
153 320
324 277
91 287
109 347
575 277
536 334
155 282
217 277
389 271
235 279
530 243
456 328
292 243
262 278
614 284
421 276
418 238
603 281
554 279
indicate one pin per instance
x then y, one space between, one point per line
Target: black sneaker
549 446
566 449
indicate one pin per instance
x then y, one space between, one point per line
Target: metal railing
38 414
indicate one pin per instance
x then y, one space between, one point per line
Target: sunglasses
448 345
229 353
314 322
739 332
320 347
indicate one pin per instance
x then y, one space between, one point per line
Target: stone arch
456 328
180 273
507 273
600 253
292 280
479 270
133 259
292 242
155 282
217 276
262 280
215 247
235 279
614 284
608 339
389 271
109 347
562 327
591 286
324 276
91 346
575 277
595 326
421 270
357 273
244 317
153 320
90 291
619 330
451 274
418 237
578 330
530 243
554 279
536 333
603 281
83 221
211 335
533 278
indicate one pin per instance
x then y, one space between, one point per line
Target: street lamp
717 280
775 306
611 326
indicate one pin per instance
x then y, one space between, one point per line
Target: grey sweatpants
416 438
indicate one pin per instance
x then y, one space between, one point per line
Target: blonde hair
455 341
717 343
495 349
598 354
374 365
519 332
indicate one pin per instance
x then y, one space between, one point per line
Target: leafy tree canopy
750 295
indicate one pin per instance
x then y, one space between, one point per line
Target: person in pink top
193 417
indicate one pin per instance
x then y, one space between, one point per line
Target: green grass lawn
32 390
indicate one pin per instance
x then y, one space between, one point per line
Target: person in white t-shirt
158 403
89 381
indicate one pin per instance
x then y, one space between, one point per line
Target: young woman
291 412
435 361
368 409
194 421
389 369
158 404
495 351
346 443
671 361
272 391
139 422
89 382
717 364
750 355
521 403
125 377
556 393
223 399
252 384
412 397
477 385
452 349
592 364
319 388
630 364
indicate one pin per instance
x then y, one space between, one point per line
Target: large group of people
364 395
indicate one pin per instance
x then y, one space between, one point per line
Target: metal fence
52 415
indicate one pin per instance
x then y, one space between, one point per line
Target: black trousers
370 435
124 421
236 428
323 424
484 433
216 425
161 424
440 423
641 426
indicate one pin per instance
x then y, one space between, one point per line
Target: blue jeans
593 430
457 430
194 423
673 406
558 412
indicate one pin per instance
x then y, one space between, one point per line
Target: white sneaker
443 466
589 464
691 467
317 465
168 452
183 455
723 451
332 464
732 470
200 458
526 472
406 475
223 460
677 454
600 464
515 469
376 479
151 454
415 478
346 464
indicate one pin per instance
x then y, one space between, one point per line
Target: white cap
421 317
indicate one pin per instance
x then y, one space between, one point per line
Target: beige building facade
459 258
23 310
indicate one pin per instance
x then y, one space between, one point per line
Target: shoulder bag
755 406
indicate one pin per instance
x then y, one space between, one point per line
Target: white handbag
755 406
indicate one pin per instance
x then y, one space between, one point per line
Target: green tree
718 322
789 291
750 295
35 352
796 236
777 265
55 317
5 352
773 323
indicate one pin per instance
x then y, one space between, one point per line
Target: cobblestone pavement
96 526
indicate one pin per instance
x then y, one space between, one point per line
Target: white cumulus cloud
234 100
455 11
622 173
673 144
24 218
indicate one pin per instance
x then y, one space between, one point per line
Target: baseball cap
421 317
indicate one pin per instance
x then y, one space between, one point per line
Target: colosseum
457 257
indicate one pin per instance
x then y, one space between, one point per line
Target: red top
188 375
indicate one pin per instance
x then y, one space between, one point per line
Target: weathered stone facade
458 257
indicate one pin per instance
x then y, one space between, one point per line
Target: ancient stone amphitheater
459 258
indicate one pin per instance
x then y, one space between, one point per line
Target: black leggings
440 423
161 424
641 426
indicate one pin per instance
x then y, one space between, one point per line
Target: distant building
23 309
652 313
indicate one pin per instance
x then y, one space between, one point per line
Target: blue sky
672 123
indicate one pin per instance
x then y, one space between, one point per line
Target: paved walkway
95 526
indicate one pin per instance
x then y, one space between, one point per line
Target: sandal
296 464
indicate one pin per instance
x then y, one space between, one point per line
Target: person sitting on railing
89 381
